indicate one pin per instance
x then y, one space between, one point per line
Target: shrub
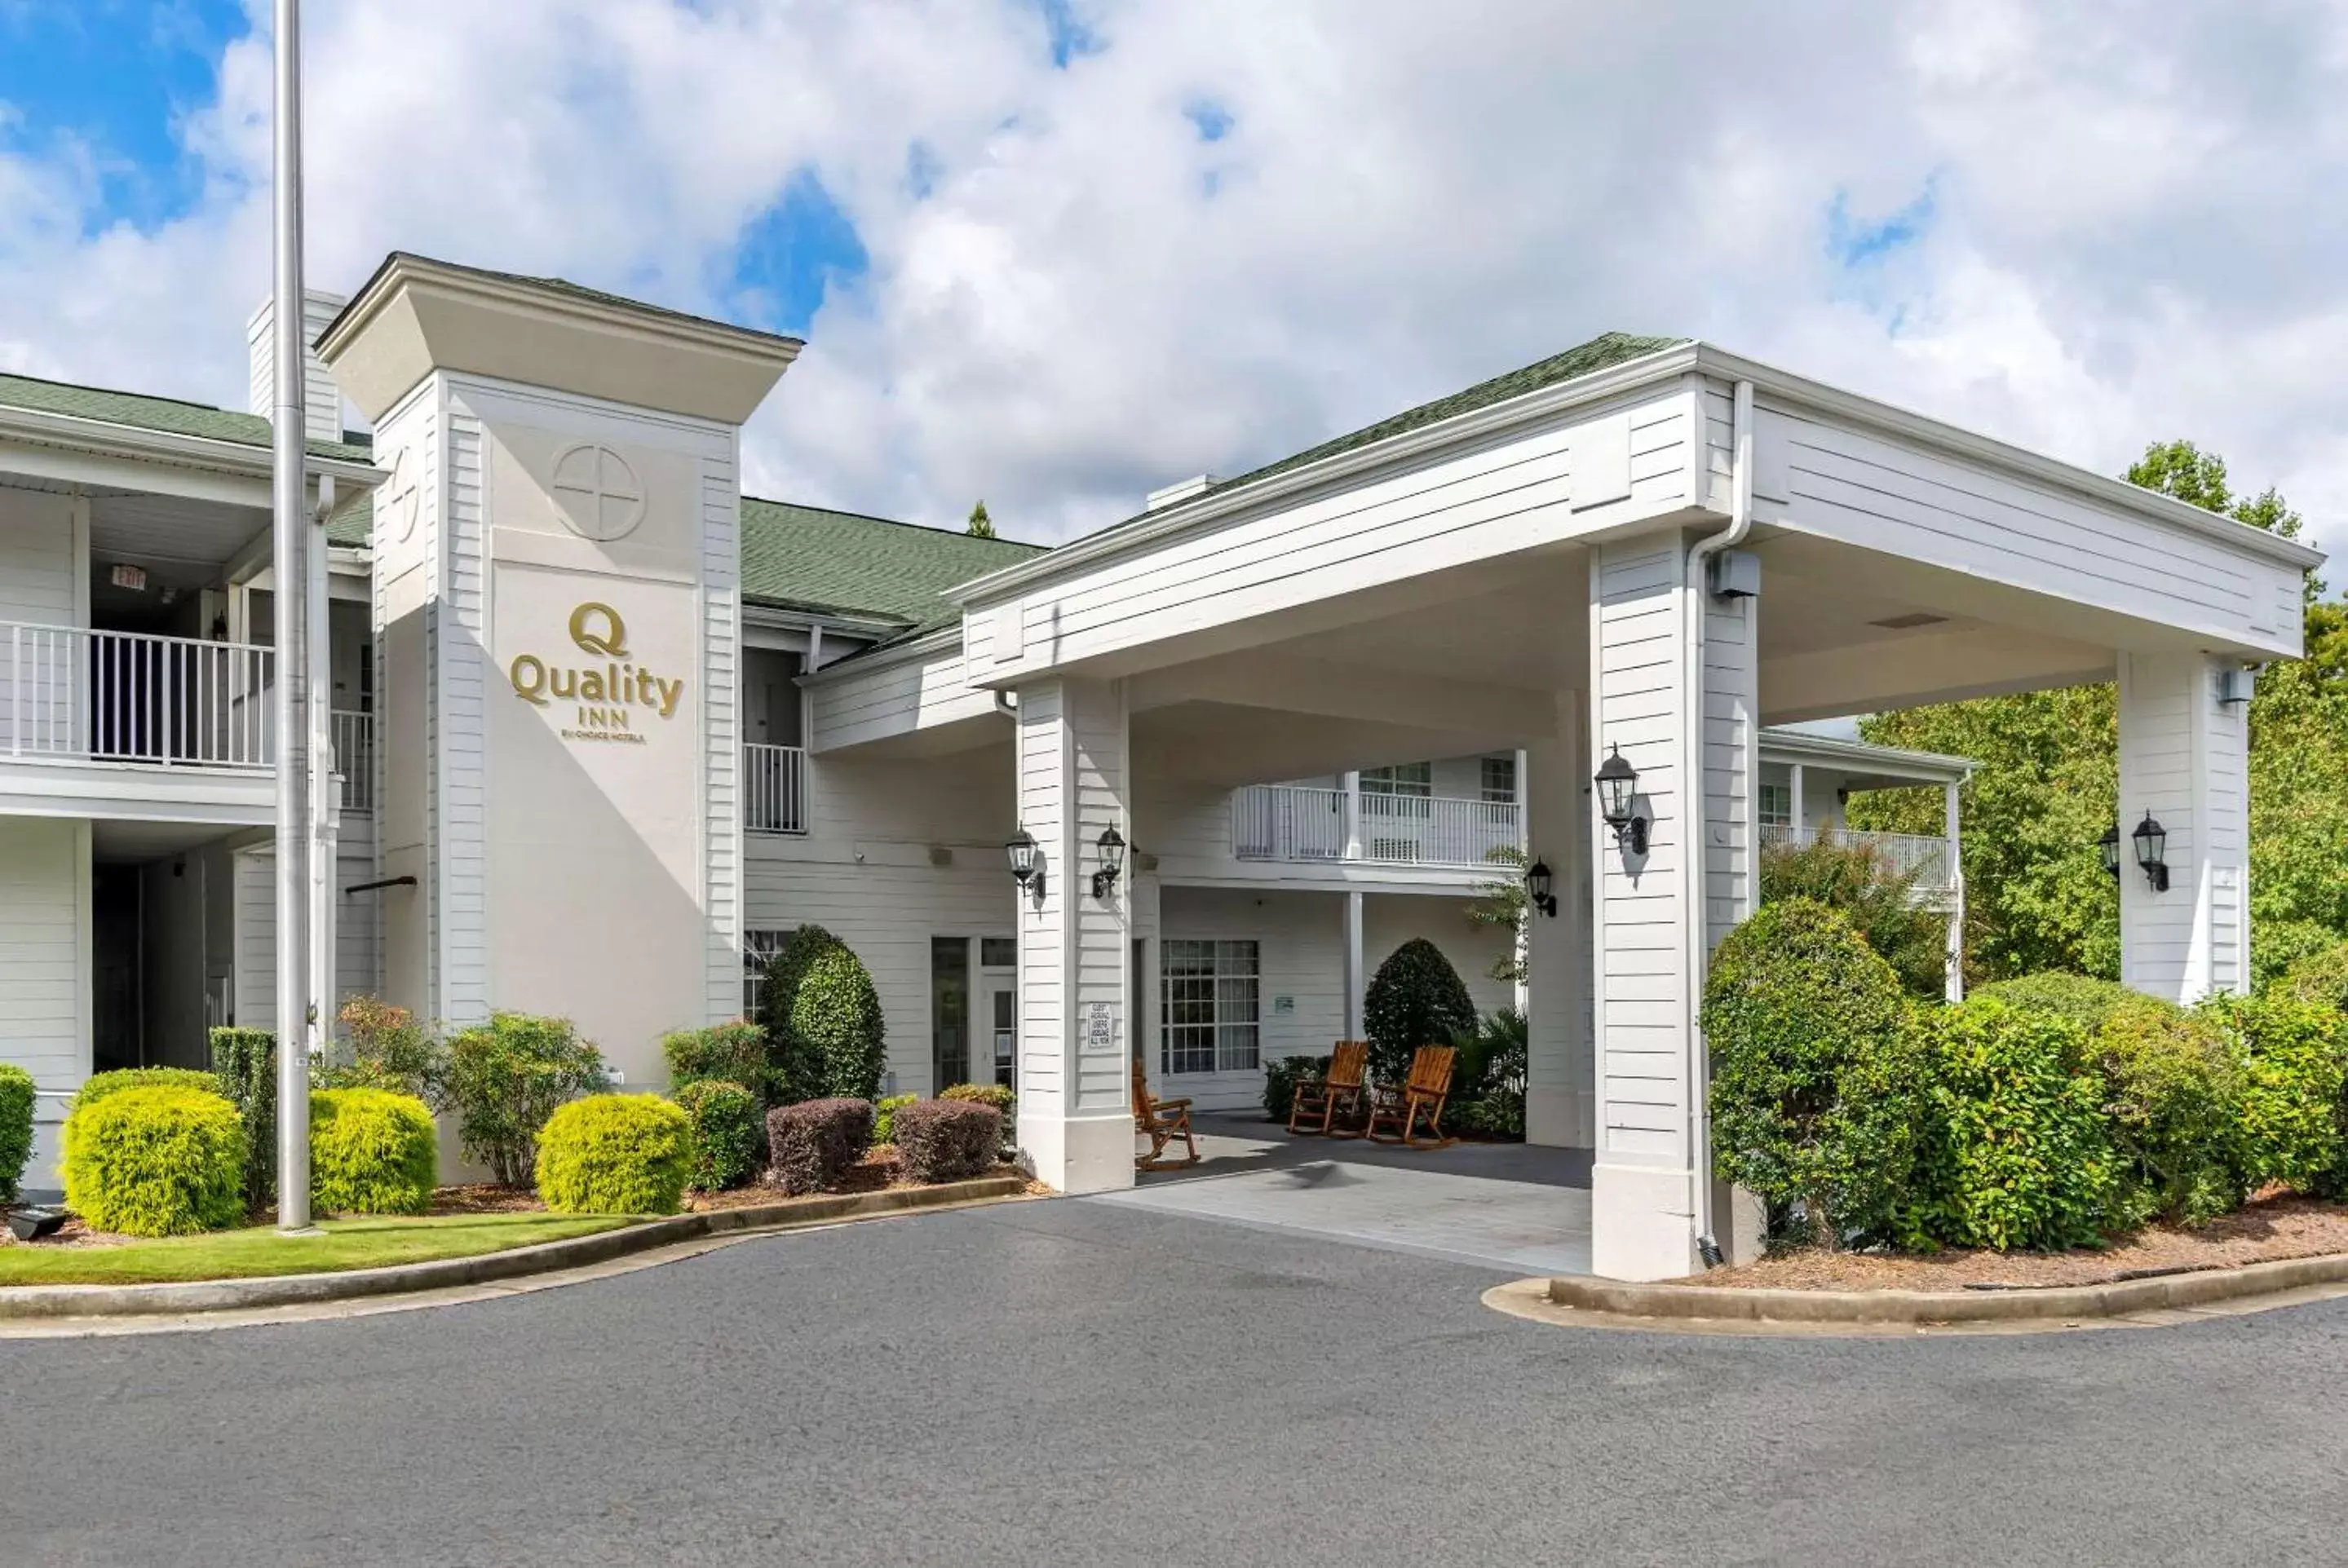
1416 999
156 1161
15 1128
372 1152
948 1140
387 1050
2291 1054
614 1154
244 1069
1488 1077
733 1052
2172 1102
98 1085
727 1137
794 1072
884 1117
1281 1078
837 1018
998 1095
2015 1153
2085 1002
1860 883
506 1078
815 1142
1814 1092
2319 977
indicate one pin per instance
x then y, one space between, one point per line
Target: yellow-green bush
156 1161
372 1152
616 1155
884 1116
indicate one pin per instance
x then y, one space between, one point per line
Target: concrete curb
2068 1303
38 1301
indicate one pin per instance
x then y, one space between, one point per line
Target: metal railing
354 758
774 789
1926 856
72 694
1303 823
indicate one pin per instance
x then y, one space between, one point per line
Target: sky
1057 253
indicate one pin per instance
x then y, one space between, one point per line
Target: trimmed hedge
99 1085
733 1052
725 1133
837 1018
2172 1105
815 1142
506 1078
1281 1078
156 1161
1416 999
372 1152
998 1095
2290 1055
948 1140
15 1128
244 1070
614 1154
794 1072
2085 1001
884 1117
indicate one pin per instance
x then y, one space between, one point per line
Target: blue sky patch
1211 120
1853 243
790 256
1068 35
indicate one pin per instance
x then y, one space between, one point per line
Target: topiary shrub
2291 1054
837 1017
795 1073
1814 1092
948 1140
733 1052
387 1050
156 1161
815 1142
614 1154
2085 1001
2172 1103
1281 1078
2319 977
244 1069
506 1078
1860 882
884 1117
727 1136
1416 999
2015 1152
998 1095
372 1152
15 1128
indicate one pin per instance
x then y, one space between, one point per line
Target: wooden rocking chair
1343 1084
1161 1122
1395 1112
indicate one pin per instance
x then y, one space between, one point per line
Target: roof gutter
139 444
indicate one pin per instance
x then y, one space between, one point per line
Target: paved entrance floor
1501 1205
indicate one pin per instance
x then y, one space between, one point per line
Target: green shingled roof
167 415
806 558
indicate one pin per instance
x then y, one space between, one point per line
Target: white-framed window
1413 779
1776 806
1212 999
1499 781
757 947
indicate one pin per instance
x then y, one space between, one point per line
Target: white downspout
1691 853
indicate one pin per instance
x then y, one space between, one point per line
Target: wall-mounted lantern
1537 882
1022 848
1112 861
2109 845
1618 794
2151 846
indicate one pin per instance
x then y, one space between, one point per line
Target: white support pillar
1357 982
1076 1118
1352 784
1650 1188
2184 760
1951 828
1560 1104
1800 824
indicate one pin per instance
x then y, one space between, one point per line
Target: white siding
1732 722
357 969
2184 759
721 795
897 695
37 586
45 923
461 906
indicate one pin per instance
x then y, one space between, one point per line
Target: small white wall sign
1101 1028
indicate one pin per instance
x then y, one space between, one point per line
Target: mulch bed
2264 1231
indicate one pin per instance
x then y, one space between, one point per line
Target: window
1210 1007
757 947
998 952
949 1011
1499 781
1413 779
1776 806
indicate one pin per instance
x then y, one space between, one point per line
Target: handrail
82 694
774 789
1307 823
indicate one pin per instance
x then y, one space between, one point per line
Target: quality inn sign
609 700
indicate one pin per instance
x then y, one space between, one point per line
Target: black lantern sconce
2109 845
1536 889
1024 870
1618 794
1112 861
2151 847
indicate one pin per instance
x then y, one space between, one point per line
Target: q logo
598 629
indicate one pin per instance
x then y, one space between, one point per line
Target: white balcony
354 758
1299 823
774 789
74 695
1927 857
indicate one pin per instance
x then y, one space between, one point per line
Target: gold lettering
533 687
591 687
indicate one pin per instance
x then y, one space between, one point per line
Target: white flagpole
290 541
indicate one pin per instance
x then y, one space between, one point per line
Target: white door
996 1034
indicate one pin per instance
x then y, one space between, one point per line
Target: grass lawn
260 1251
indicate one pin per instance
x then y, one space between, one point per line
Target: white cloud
2134 229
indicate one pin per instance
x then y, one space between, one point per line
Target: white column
2185 759
1799 822
1352 787
1560 1105
1076 1119
1357 983
1951 831
1651 1190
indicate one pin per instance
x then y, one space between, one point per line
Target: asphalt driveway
1085 1383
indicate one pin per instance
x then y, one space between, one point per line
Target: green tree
1501 903
981 527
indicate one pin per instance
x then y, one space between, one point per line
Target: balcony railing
1302 823
74 694
1926 856
774 789
354 758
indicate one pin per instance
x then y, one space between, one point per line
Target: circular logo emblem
599 493
400 497
598 629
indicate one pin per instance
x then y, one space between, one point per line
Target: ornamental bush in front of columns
1416 999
